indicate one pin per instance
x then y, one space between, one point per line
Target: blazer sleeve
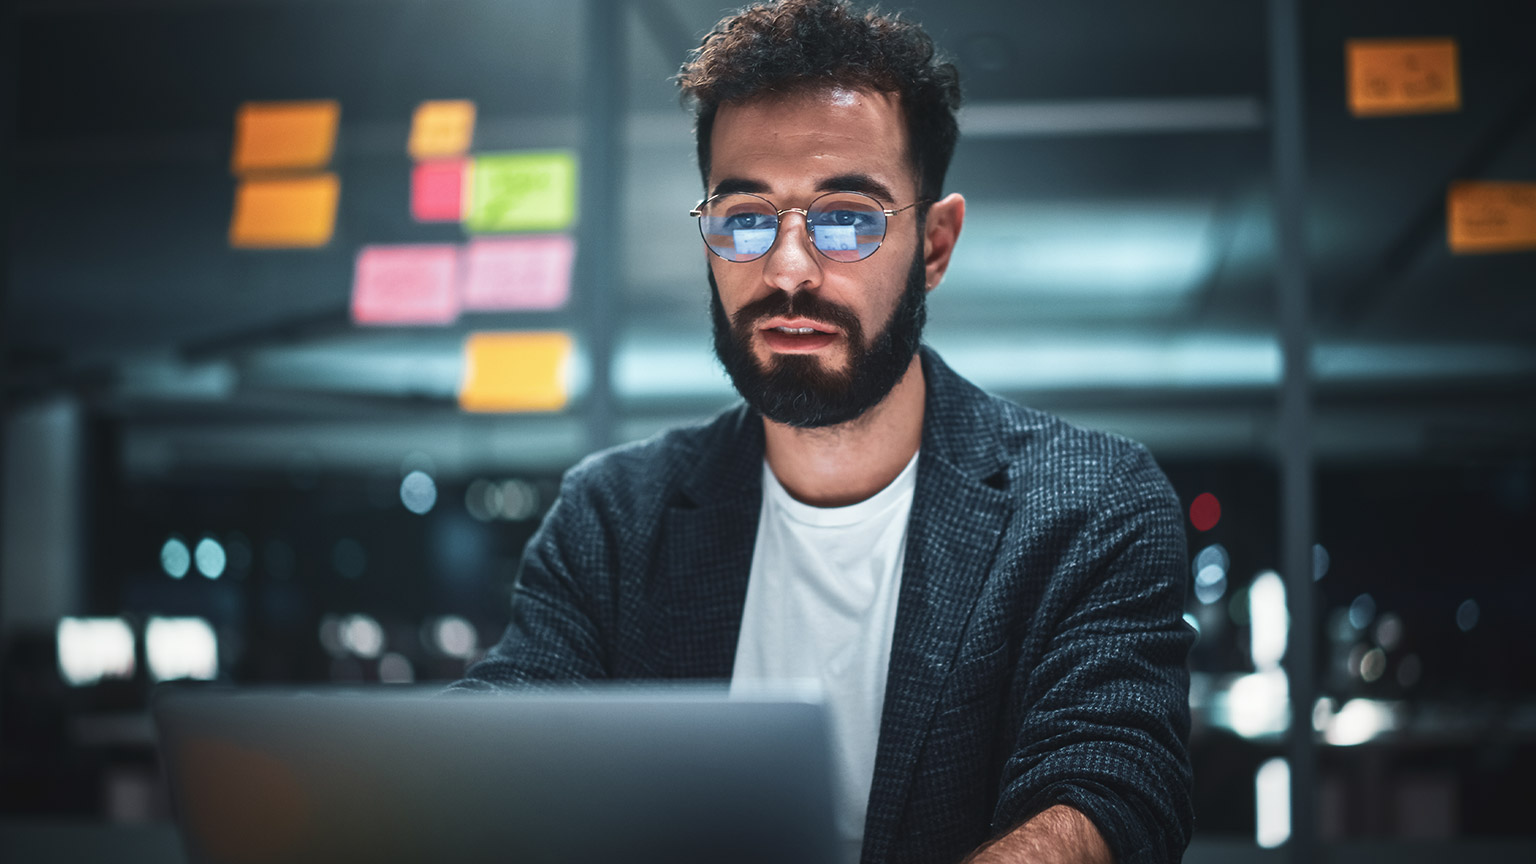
555 632
1106 712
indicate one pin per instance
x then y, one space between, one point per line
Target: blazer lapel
711 529
953 535
703 584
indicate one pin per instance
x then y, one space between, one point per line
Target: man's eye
745 221
856 218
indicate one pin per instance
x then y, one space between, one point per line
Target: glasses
844 226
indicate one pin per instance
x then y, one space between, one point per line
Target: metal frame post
1288 138
602 137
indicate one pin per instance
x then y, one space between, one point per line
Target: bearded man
990 597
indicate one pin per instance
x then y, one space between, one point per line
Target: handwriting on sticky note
406 284
442 128
515 371
285 136
1402 76
533 191
507 273
285 212
1491 217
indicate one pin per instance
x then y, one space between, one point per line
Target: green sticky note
524 191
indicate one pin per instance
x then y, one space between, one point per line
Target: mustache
801 304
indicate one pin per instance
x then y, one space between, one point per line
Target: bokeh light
1373 665
1362 611
1211 573
1259 704
519 500
455 637
330 636
1272 800
210 558
1320 561
181 648
90 649
1204 511
1210 584
1359 721
175 558
1467 614
396 669
418 493
483 500
362 636
1389 631
1269 621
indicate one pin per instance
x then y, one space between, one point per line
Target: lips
798 337
799 327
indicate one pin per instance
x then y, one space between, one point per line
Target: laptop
617 773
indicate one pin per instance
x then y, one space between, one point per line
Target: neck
847 463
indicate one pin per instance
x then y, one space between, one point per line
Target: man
990 597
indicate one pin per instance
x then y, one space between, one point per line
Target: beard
796 389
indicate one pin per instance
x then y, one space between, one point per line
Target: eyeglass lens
844 226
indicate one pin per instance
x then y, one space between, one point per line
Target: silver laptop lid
616 773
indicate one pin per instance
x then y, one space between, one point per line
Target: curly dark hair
782 47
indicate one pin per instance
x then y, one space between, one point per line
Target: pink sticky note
437 191
530 272
409 284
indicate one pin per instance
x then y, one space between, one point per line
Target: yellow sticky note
285 136
441 129
515 371
1491 217
1402 76
284 212
532 191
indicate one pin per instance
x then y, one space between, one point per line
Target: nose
792 263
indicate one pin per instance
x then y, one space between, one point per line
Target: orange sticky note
285 135
442 128
515 371
1491 217
1402 76
285 212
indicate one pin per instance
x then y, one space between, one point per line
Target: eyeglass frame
805 212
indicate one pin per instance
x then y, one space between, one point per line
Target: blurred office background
234 450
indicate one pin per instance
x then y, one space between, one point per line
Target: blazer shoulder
1045 451
648 472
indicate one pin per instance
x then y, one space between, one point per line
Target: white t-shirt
821 605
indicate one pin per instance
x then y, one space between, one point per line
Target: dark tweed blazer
1039 653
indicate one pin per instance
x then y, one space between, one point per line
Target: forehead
786 142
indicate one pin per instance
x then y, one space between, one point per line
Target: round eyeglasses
844 226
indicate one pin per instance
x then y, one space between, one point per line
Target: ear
941 231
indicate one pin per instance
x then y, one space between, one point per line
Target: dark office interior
1188 223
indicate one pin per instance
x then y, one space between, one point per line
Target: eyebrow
855 182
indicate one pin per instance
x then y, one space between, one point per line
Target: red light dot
1205 511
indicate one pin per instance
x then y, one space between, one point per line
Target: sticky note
531 272
1491 217
441 128
1402 76
532 191
437 190
406 284
515 371
285 212
285 136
